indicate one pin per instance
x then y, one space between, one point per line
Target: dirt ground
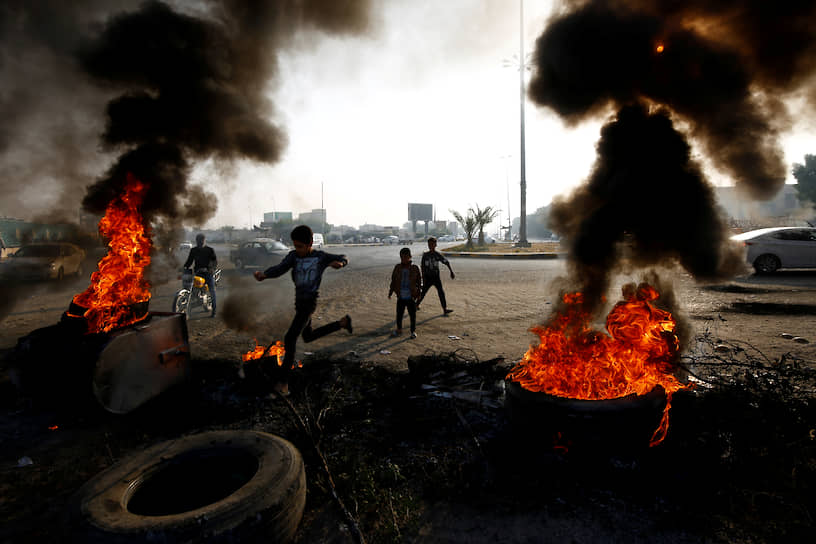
417 467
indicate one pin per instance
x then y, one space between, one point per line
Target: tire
60 274
239 264
766 264
181 301
267 507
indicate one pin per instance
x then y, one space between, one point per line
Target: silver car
779 247
47 260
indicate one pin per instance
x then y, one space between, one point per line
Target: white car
768 250
447 238
391 240
317 241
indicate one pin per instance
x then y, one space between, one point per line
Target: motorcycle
194 291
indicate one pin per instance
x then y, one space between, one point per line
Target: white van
317 241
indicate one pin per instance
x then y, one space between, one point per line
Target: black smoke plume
645 198
184 81
714 71
195 87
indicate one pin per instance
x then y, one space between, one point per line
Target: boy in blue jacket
307 266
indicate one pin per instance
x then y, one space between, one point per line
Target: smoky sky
183 81
720 79
196 88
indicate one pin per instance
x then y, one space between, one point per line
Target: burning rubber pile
672 80
119 285
574 361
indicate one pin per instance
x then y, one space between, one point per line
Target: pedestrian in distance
203 256
406 282
430 275
307 266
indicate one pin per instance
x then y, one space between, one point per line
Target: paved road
495 302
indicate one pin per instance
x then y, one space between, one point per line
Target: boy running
307 267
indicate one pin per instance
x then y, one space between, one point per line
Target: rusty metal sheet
141 361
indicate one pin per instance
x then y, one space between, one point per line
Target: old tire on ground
236 486
766 264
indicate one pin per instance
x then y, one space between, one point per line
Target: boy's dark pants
401 306
302 324
427 283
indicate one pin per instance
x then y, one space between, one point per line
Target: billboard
420 212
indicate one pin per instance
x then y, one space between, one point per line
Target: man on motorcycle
205 263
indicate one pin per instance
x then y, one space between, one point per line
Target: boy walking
406 282
430 274
307 266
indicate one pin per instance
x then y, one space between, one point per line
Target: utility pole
509 227
522 242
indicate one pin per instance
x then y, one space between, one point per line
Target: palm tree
468 225
482 218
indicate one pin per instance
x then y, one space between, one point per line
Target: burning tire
222 485
600 426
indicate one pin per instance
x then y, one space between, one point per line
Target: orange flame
119 281
659 48
262 351
574 361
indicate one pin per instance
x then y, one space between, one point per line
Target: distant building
275 217
369 227
315 219
453 227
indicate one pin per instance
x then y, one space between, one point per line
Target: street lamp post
507 184
522 242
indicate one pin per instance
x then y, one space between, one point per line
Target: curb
480 255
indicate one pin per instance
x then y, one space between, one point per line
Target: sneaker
448 311
413 335
396 333
348 324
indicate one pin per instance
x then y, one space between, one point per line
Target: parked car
770 249
391 240
260 252
185 247
447 238
47 260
